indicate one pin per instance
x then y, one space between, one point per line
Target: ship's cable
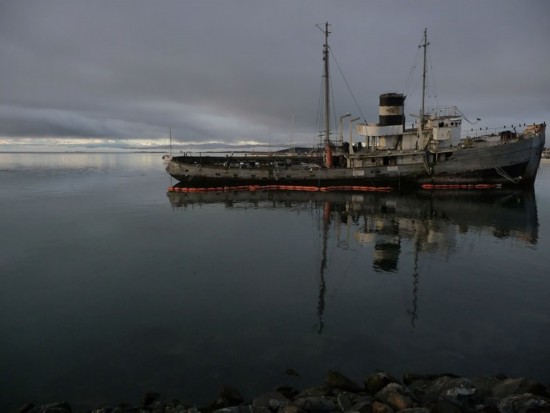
505 175
347 84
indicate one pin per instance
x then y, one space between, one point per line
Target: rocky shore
379 393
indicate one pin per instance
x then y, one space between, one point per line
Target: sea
112 286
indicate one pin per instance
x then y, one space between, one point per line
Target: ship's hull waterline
507 164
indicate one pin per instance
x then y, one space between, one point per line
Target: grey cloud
236 70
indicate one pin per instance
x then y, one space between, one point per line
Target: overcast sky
122 72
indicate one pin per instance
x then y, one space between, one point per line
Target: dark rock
235 409
524 403
409 378
378 407
291 409
363 405
461 392
287 391
24 409
449 386
345 401
274 405
292 372
177 407
444 406
336 380
149 398
125 408
396 396
489 408
377 381
484 386
422 394
156 407
271 401
419 390
320 391
315 404
106 409
519 385
230 396
59 407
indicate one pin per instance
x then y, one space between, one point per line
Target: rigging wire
432 76
317 131
347 84
407 88
333 101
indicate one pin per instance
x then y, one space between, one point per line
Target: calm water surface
112 287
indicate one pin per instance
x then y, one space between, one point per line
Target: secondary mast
327 85
422 109
328 149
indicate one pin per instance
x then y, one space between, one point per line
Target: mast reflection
430 221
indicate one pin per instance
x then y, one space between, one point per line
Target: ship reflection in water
429 222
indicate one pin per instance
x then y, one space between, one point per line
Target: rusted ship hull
507 164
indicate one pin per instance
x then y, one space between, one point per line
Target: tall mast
327 82
424 45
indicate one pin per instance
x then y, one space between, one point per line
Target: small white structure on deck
445 125
388 132
442 127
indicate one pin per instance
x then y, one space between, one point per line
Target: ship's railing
443 111
517 128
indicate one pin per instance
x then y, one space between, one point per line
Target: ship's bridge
445 124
